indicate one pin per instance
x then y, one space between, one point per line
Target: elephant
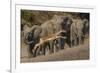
79 28
32 38
50 27
76 32
56 24
66 26
73 34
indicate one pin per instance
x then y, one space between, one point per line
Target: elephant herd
53 34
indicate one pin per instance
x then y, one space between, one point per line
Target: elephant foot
34 54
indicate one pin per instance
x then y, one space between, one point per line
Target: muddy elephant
67 26
79 30
56 24
32 38
76 33
73 34
51 27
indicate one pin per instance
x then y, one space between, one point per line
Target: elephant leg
47 48
30 53
48 45
51 47
75 41
80 40
34 53
43 49
38 51
62 43
68 40
59 43
56 45
71 42
83 39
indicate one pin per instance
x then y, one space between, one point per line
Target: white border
15 59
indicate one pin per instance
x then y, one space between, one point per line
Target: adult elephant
73 34
76 31
51 27
32 38
66 26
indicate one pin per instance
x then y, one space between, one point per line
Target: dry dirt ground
80 52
